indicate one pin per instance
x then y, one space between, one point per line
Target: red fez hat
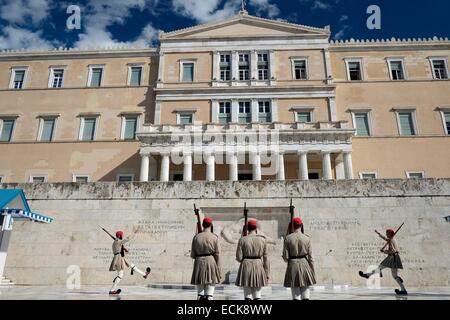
208 221
390 231
297 221
252 223
119 233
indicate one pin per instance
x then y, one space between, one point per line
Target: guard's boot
115 292
401 292
364 275
147 272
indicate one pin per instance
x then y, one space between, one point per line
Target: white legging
205 290
300 293
120 274
394 272
252 292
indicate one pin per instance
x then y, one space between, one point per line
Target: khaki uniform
393 260
118 262
206 252
255 268
297 252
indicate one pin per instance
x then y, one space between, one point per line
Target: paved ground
222 293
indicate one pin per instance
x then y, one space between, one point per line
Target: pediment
245 26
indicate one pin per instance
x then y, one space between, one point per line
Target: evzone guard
392 261
119 263
254 266
297 252
206 252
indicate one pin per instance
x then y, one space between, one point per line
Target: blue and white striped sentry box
20 214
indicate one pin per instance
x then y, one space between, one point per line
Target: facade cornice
390 44
74 53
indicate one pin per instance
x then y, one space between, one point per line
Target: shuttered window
130 128
136 74
89 129
48 127
188 72
406 121
7 130
303 116
447 121
96 77
362 124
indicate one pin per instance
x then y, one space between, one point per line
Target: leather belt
204 255
252 258
298 257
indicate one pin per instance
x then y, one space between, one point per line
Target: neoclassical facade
242 99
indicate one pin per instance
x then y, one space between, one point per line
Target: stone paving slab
223 293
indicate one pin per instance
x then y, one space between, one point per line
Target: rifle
199 225
398 229
245 229
123 250
291 211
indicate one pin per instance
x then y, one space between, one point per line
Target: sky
41 24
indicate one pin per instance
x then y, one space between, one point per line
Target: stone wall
339 215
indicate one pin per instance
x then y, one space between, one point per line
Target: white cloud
206 10
320 4
22 12
18 38
265 6
101 14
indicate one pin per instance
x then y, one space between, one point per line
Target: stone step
5 282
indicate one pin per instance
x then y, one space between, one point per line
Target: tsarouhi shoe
401 292
362 274
147 272
115 292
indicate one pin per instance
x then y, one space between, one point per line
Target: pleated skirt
251 274
299 274
392 261
205 271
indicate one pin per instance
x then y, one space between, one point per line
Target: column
214 111
233 167
256 166
332 112
303 165
153 169
280 167
234 111
255 111
254 65
339 167
235 66
274 109
327 60
210 167
326 165
145 165
165 165
160 70
272 64
348 165
216 68
187 167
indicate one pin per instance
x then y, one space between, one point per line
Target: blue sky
41 24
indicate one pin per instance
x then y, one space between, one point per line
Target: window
7 130
177 177
446 118
18 76
245 114
440 68
80 178
47 129
304 116
300 69
88 128
224 112
263 66
187 72
244 66
125 178
406 123
56 78
313 175
185 118
361 123
95 76
415 175
135 76
129 127
225 67
368 175
397 69
38 179
354 70
245 176
265 114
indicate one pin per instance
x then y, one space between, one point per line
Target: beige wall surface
202 68
339 216
284 68
382 98
392 157
376 68
77 70
286 114
169 110
101 161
